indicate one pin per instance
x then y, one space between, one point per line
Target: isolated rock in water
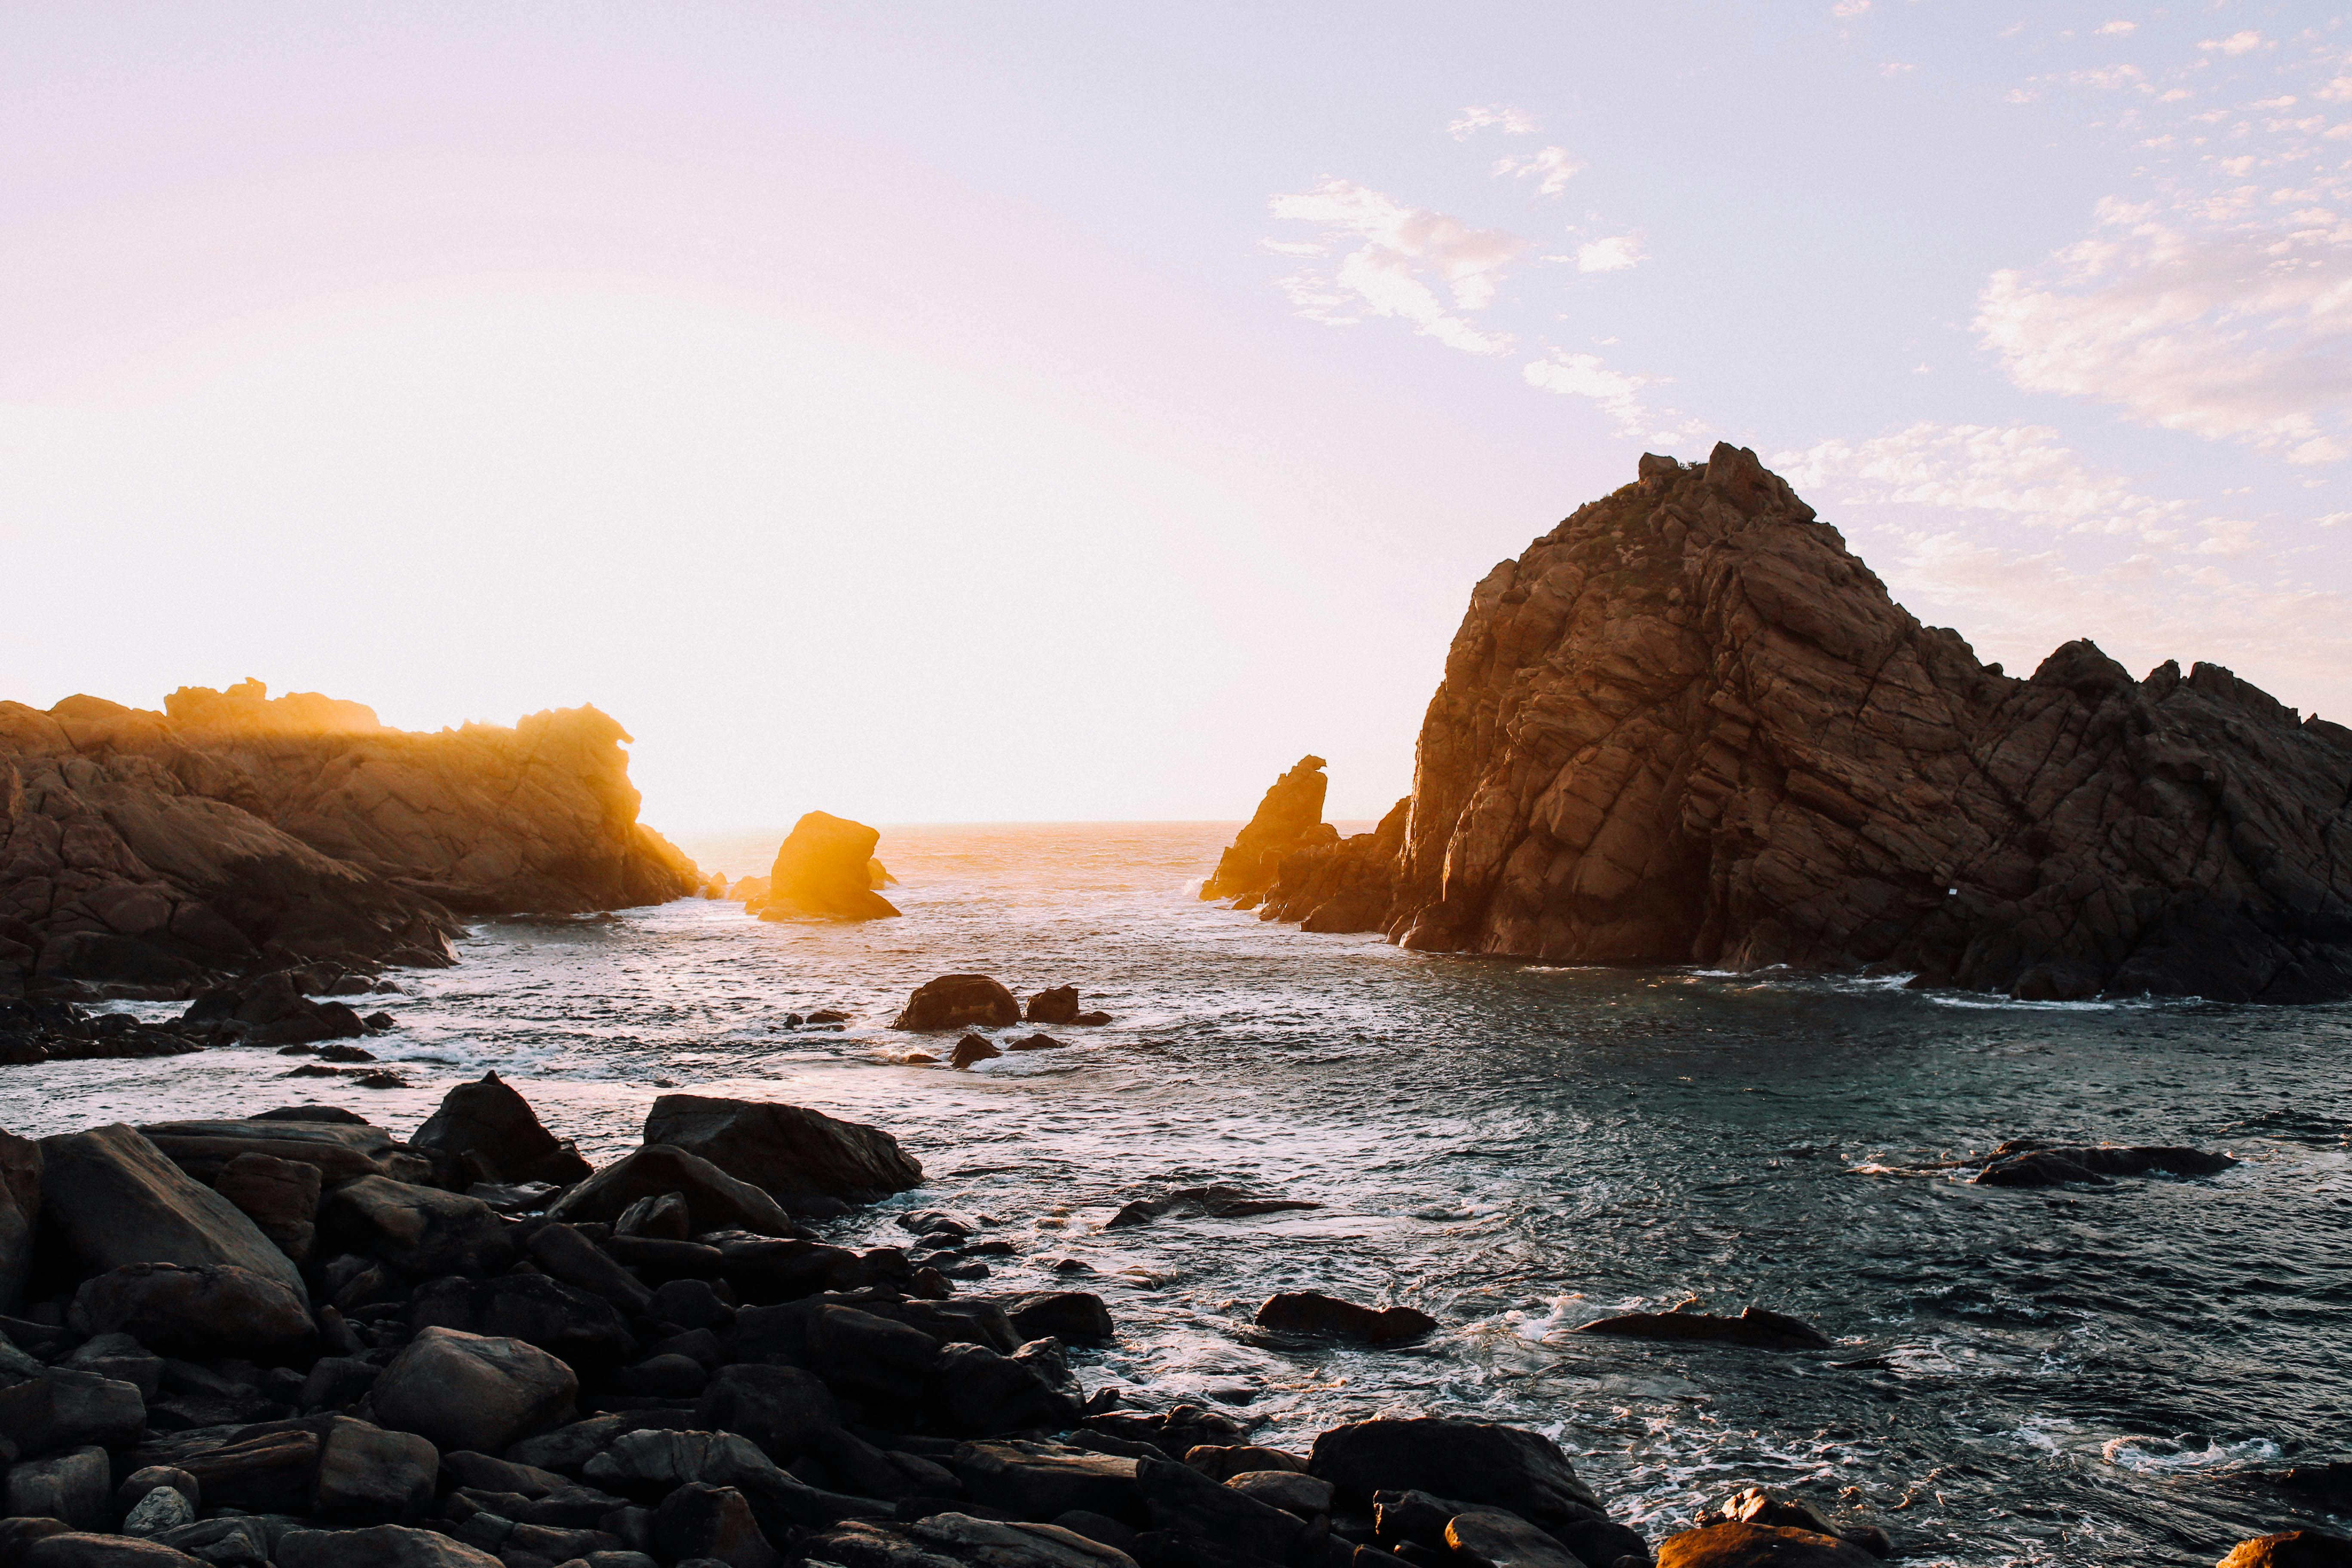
1754 1327
203 1311
1213 1202
2033 1163
114 1199
271 1010
1056 1006
1689 726
488 1121
1311 1313
2292 1549
824 870
1288 820
280 1196
792 1151
1077 1316
714 1200
1760 1546
958 1001
468 1390
1470 1461
971 1050
1037 1042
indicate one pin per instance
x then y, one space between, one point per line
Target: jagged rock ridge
1688 725
235 832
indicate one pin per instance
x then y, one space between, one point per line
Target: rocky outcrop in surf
234 833
824 870
1689 725
1290 818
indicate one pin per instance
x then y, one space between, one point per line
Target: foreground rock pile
295 1339
149 854
1689 725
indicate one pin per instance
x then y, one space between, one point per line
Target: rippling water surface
2078 1376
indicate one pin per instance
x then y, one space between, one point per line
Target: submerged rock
1312 1312
1755 1327
1689 726
824 870
1212 1202
958 1001
2033 1163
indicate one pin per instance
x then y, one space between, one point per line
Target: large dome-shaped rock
469 1391
714 1200
794 1153
1289 819
1510 1467
115 1199
825 869
958 1001
488 1121
198 1311
1689 726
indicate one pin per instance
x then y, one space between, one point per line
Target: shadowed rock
491 1121
792 1151
1689 726
116 1200
714 1200
1312 1312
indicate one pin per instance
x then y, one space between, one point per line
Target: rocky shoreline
1689 726
298 1338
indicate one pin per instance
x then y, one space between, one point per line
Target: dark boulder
794 1152
1760 1546
2032 1163
280 1196
274 1470
201 1310
492 1126
1755 1327
824 870
1187 1505
74 1487
1507 1541
271 1010
1038 1042
1076 1317
1474 1462
1312 1312
871 1357
1058 1004
1040 1480
86 1407
469 1391
424 1230
1212 1202
341 1148
76 1549
971 1050
370 1475
1223 1464
575 1327
983 1394
958 1001
782 1408
379 1546
715 1200
20 1214
113 1198
663 1218
571 1257
700 1520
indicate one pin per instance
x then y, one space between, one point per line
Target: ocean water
2076 1376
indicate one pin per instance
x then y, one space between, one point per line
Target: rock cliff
1288 820
1689 726
233 832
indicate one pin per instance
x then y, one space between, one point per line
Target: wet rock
115 1199
1474 1462
1213 1202
162 1509
782 1408
571 1257
793 1152
74 1486
715 1200
487 1122
958 1001
1311 1313
1174 1433
205 1309
2033 1163
1058 1004
698 1520
1074 1317
1755 1327
75 1549
1760 1505
971 1050
1092 1020
1288 820
370 1475
424 1230
346 1053
469 1391
341 1148
575 1327
2292 1549
379 1546
823 870
280 1196
514 1197
1043 1480
1289 1489
1033 1043
1759 1546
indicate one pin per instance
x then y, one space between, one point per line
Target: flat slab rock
1204 1203
1755 1327
2032 1163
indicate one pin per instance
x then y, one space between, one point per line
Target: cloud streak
1385 258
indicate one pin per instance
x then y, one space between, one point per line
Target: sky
1059 411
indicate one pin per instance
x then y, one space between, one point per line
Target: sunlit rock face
1288 820
233 831
1688 725
824 871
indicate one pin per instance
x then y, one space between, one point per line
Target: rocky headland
147 853
1689 726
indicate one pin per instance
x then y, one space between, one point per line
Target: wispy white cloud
1896 68
1617 391
2238 43
1392 260
1613 254
1511 122
2117 28
1551 169
2022 473
1846 10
